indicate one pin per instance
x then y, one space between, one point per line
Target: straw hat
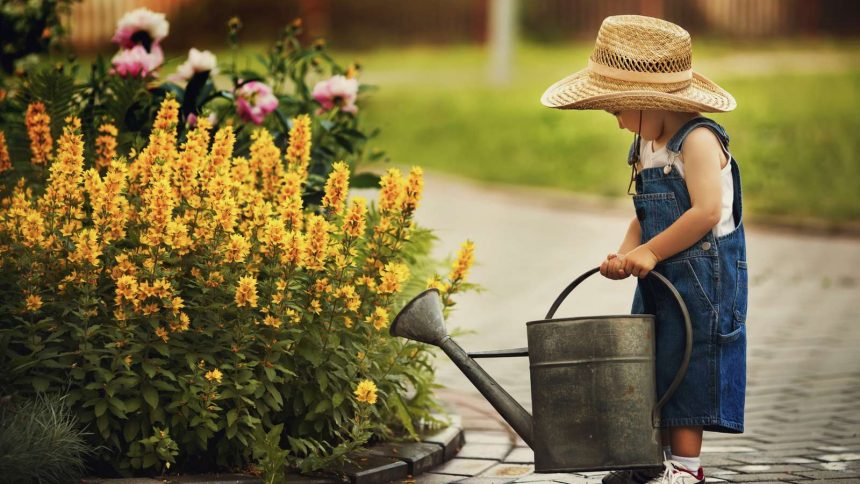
639 63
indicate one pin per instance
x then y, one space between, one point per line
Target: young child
687 226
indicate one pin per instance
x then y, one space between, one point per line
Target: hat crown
643 44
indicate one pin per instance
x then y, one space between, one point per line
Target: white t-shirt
663 157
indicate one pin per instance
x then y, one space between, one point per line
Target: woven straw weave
638 44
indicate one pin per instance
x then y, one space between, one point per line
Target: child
687 226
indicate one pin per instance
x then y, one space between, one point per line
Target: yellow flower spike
366 392
391 190
5 161
413 190
34 303
265 159
105 145
299 150
246 293
465 259
222 150
214 375
317 238
38 123
355 221
87 248
336 188
168 115
294 248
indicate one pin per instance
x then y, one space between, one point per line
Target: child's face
627 119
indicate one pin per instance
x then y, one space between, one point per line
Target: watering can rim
406 306
575 318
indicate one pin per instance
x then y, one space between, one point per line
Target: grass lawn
795 132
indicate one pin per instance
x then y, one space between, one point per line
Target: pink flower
198 61
254 100
141 26
136 61
337 91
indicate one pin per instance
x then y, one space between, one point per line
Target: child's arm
702 159
612 267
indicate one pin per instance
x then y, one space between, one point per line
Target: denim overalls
711 276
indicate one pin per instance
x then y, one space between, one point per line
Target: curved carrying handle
688 351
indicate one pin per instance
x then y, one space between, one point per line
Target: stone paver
803 366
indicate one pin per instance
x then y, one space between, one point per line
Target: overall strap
678 138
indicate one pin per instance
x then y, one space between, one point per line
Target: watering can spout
422 320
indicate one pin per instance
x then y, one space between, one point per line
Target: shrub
189 298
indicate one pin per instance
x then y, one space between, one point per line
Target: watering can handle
688 351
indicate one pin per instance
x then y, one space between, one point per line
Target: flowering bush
123 96
192 305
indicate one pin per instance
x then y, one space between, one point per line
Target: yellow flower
355 221
162 333
237 249
214 375
295 316
127 360
465 258
246 293
366 392
176 304
5 161
38 124
272 321
299 150
315 306
391 190
106 145
392 276
413 190
34 302
347 321
336 188
379 318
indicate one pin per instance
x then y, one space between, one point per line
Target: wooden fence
362 23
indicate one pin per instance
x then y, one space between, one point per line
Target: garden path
803 321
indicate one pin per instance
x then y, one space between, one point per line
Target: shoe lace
671 475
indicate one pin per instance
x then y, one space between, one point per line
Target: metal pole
503 16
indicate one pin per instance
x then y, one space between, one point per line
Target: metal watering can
593 382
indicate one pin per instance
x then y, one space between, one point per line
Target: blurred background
459 83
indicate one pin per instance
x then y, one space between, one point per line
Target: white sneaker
675 473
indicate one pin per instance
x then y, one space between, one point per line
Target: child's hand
612 268
639 261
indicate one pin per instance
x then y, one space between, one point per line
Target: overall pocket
738 316
656 212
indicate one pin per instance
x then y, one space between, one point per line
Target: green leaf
337 399
322 406
101 407
131 429
150 395
232 415
402 414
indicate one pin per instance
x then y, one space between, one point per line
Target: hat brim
586 90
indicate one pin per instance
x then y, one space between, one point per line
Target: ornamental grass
188 302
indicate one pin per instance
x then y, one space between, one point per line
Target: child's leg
686 441
686 447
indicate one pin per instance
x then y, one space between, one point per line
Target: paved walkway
803 398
